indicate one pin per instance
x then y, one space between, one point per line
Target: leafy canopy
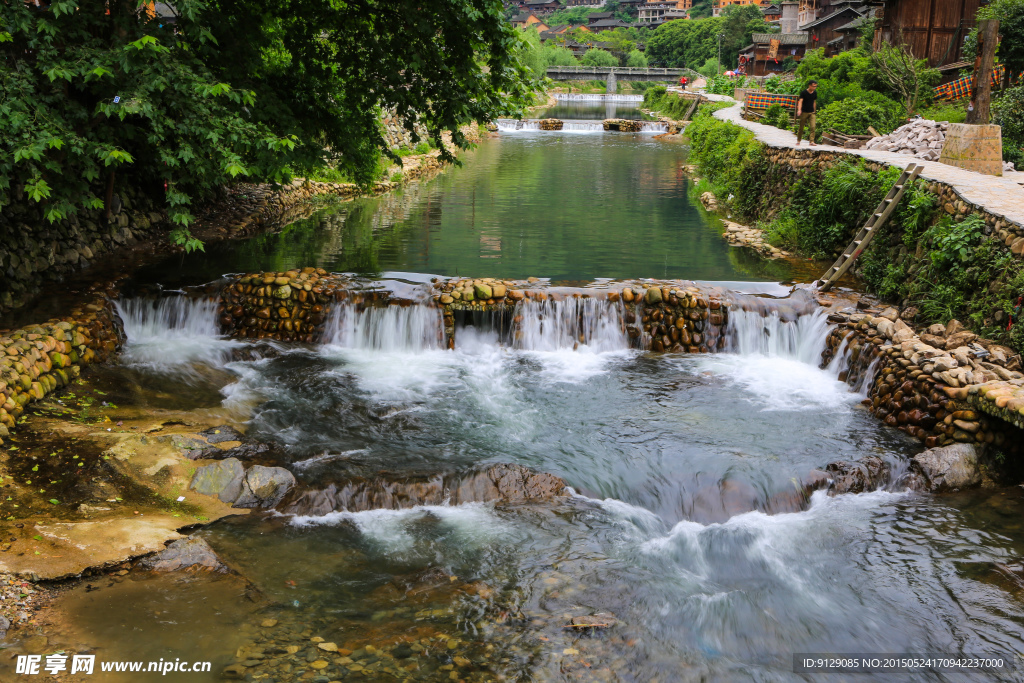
98 90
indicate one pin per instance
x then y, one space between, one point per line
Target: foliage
908 77
636 59
944 111
233 90
720 148
692 43
709 68
853 116
777 86
598 57
724 85
953 243
1008 112
776 115
1010 14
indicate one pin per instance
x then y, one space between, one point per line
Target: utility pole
981 90
720 36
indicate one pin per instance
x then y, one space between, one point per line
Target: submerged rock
264 487
857 476
222 479
503 482
221 434
182 554
949 467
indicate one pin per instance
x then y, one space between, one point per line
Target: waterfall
172 330
415 327
773 333
579 97
567 324
653 127
513 125
583 126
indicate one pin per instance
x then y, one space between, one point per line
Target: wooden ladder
693 107
867 233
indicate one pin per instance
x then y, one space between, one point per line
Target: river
682 535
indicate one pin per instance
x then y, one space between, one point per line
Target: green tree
597 57
739 23
1010 14
909 78
95 92
684 43
636 59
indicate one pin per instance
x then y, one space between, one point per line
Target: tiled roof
817 22
783 38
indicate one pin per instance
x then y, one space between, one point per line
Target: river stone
5 626
482 291
222 433
283 292
949 468
653 295
264 487
183 553
857 476
222 479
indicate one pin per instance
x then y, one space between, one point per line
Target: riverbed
684 549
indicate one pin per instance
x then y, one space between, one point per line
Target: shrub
597 57
637 59
776 115
853 116
1008 112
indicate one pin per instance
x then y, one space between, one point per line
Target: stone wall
793 162
38 359
941 387
397 136
34 251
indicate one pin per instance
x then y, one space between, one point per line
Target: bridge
611 74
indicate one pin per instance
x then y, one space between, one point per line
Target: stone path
1002 197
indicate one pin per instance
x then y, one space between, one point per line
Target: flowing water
686 532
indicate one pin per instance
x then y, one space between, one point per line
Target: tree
636 59
906 76
598 57
1010 14
684 43
97 91
739 24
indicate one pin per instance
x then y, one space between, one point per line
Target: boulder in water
184 553
222 479
264 487
950 468
857 476
221 434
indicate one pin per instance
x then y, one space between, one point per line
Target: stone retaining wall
294 305
34 251
937 392
38 359
793 162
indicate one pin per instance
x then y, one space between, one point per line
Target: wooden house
933 29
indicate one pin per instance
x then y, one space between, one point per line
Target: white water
172 331
512 125
777 362
569 126
750 333
414 328
579 97
570 324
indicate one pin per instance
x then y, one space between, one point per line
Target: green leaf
54 501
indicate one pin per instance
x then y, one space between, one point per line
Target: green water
568 206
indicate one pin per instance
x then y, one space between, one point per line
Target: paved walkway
1002 197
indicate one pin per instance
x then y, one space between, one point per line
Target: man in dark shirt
806 106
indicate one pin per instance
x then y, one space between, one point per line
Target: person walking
806 107
682 82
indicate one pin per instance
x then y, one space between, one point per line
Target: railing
619 71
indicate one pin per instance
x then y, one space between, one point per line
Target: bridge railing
619 70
